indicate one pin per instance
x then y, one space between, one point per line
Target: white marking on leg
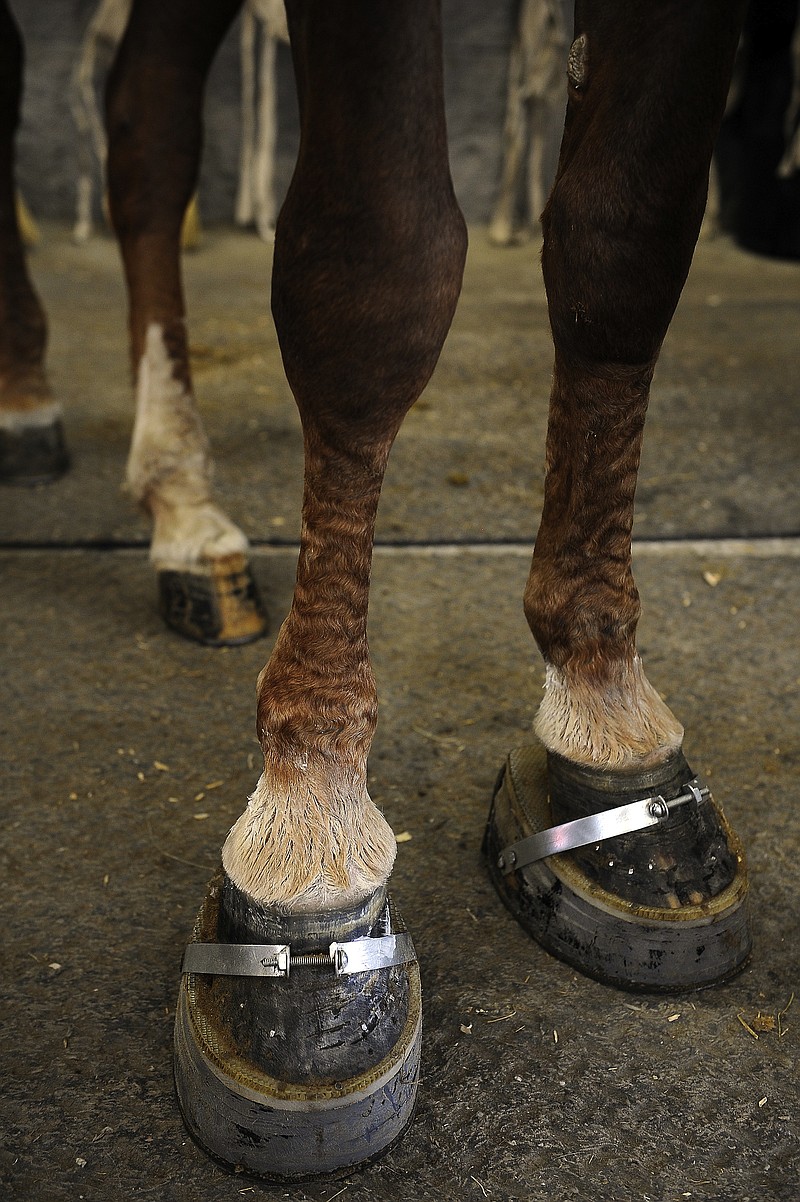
169 468
623 723
308 843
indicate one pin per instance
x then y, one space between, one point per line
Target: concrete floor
129 753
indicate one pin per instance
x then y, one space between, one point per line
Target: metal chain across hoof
217 605
651 894
33 454
308 1063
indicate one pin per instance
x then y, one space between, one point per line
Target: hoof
301 1075
33 454
218 606
661 909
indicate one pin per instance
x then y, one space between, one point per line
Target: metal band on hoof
271 960
594 828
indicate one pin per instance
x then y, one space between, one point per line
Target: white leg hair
623 725
169 468
309 843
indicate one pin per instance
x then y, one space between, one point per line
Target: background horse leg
534 115
647 91
369 255
103 36
32 449
154 106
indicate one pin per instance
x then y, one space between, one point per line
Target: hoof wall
31 455
277 1129
218 606
620 942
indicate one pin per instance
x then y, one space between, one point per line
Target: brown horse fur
369 253
652 80
24 390
647 92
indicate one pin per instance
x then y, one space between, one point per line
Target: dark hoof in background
302 1076
217 605
662 909
34 454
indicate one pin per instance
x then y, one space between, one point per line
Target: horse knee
362 309
613 268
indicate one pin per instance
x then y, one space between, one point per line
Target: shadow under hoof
31 455
661 910
299 1076
219 605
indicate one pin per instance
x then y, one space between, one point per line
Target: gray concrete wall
477 40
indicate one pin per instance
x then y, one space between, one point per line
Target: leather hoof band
33 454
218 605
263 1085
644 890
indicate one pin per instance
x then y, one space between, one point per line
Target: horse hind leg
662 907
32 446
369 254
154 104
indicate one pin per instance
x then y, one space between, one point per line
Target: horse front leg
369 254
154 106
660 904
32 447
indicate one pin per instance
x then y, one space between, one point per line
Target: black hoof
33 454
662 909
304 1075
218 605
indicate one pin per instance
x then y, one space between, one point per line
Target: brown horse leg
368 261
647 90
32 447
154 105
369 255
